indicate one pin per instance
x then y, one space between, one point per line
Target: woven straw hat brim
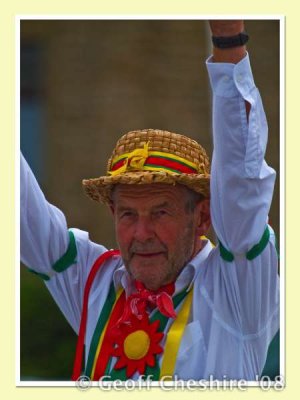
100 189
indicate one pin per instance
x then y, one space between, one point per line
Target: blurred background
83 84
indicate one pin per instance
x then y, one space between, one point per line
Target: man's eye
160 213
127 214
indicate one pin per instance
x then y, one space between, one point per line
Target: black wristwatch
225 42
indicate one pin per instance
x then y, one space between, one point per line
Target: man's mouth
149 255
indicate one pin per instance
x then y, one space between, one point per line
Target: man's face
157 231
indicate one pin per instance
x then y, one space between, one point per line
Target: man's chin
147 274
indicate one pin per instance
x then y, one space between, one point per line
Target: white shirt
235 309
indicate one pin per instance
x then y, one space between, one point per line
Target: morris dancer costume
221 313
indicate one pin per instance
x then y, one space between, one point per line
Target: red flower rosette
137 344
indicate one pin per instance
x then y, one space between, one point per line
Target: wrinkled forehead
149 193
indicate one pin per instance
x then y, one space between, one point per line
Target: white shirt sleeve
45 239
43 233
241 183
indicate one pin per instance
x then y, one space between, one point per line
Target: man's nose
143 229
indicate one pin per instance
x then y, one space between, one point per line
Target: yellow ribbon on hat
135 160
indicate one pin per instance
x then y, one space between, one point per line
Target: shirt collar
186 278
193 268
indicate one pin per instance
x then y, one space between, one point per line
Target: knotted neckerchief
138 302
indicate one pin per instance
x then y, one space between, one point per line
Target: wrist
226 27
229 39
231 55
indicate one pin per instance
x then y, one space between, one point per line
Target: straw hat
152 156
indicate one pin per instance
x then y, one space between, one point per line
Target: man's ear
202 215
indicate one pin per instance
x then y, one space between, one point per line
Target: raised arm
44 233
61 257
242 183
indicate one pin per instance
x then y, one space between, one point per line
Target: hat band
144 160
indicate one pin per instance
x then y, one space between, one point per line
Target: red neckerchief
137 303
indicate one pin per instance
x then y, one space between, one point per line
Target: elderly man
168 303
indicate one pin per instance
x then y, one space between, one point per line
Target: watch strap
226 42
